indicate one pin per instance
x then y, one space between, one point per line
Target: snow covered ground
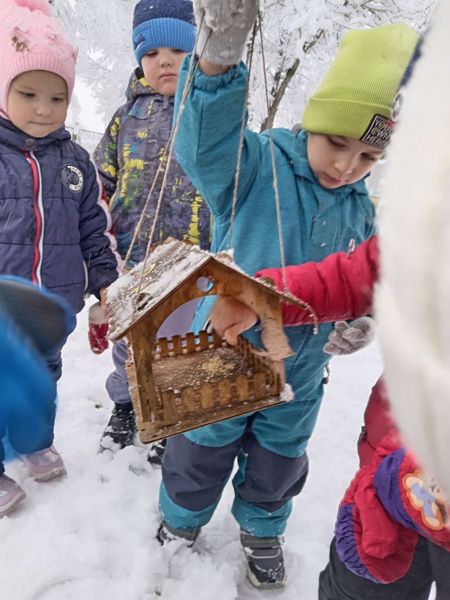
91 535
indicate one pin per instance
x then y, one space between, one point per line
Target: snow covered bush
300 39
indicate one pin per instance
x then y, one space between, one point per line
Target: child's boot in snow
120 429
11 494
45 464
167 534
265 563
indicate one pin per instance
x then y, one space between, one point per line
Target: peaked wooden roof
168 265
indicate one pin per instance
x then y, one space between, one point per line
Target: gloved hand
347 338
223 28
98 328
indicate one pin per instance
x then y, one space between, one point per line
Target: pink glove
98 328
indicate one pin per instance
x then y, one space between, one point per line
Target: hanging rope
274 164
241 138
138 227
193 65
164 164
307 307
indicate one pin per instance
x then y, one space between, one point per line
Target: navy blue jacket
53 225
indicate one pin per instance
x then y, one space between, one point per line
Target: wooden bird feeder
189 381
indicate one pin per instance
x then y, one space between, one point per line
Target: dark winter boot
120 429
167 534
156 452
265 563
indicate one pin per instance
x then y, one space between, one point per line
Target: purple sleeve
388 489
413 498
347 545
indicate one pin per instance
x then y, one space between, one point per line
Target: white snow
287 394
91 535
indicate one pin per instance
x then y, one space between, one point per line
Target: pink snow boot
11 494
44 465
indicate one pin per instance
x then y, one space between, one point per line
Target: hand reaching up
223 29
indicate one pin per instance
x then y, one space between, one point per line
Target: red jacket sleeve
339 287
378 421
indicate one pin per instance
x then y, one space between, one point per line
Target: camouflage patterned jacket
128 157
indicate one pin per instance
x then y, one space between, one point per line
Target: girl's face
161 67
37 102
336 160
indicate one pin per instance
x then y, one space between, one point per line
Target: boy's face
336 160
37 102
161 67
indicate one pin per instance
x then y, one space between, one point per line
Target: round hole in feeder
204 284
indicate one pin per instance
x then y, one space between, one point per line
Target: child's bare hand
230 318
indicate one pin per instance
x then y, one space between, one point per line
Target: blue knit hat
163 24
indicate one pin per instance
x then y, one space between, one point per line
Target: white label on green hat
379 132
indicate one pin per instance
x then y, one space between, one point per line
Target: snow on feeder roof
169 265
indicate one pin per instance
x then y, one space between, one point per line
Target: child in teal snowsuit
325 208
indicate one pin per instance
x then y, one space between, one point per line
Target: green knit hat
356 96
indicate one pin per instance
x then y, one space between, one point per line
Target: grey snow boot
167 534
265 563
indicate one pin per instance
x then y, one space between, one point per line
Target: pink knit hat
31 40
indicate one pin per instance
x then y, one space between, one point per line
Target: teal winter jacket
315 221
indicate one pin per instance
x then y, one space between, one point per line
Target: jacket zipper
38 208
